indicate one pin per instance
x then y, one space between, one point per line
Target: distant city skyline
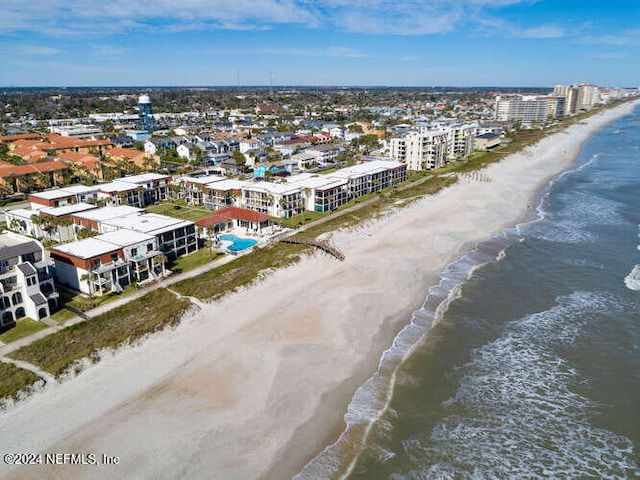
319 42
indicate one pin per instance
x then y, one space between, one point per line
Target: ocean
531 364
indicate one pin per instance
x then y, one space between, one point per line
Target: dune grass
57 352
13 379
241 272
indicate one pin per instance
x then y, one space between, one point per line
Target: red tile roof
124 152
32 168
76 156
20 136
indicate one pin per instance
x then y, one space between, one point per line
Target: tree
239 158
88 277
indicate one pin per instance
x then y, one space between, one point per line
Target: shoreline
242 387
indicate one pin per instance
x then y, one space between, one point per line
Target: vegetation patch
194 260
176 210
62 315
58 352
23 328
241 272
13 379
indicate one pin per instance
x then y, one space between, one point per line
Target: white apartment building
460 141
275 199
425 150
588 96
108 262
175 237
524 108
26 280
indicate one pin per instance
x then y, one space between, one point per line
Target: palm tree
88 277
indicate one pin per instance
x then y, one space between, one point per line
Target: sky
517 43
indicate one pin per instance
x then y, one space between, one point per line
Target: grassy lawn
179 211
14 379
301 219
194 260
242 271
62 315
150 313
24 327
83 303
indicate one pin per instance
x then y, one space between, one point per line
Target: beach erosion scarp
256 385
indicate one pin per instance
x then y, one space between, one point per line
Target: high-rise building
421 151
524 108
588 96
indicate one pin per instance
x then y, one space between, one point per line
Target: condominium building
108 262
460 140
275 199
425 150
524 108
26 280
175 237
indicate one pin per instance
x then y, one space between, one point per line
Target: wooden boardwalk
324 246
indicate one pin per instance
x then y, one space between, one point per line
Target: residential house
228 218
26 280
324 154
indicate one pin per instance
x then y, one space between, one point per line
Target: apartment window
149 247
134 252
114 257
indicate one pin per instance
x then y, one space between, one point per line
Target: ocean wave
369 409
632 281
370 405
517 413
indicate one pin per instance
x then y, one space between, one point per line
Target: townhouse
108 262
26 280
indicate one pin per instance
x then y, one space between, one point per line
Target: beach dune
257 384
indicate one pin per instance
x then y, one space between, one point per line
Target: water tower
145 115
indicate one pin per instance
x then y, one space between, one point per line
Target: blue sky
319 42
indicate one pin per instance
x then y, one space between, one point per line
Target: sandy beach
257 384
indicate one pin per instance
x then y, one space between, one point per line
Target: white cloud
109 50
37 50
77 17
542 31
626 37
346 52
394 17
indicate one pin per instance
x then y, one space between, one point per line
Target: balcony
107 267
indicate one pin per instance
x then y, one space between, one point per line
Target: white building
26 280
524 108
275 199
460 141
421 151
108 262
175 237
324 154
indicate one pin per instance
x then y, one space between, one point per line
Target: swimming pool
238 244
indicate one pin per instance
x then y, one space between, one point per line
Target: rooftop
66 209
107 213
151 223
124 238
87 248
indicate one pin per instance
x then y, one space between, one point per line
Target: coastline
243 387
